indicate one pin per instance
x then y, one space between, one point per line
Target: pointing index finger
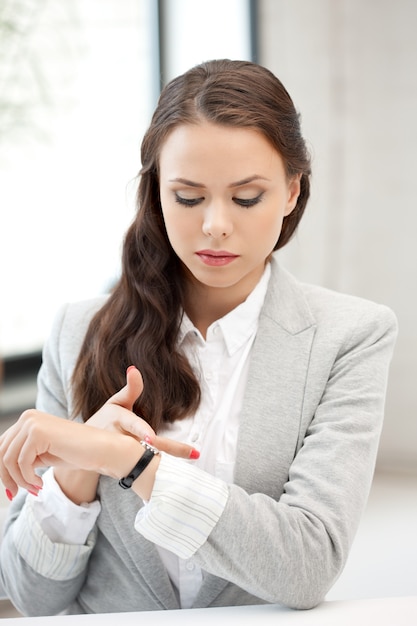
176 448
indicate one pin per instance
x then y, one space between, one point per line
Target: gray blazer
308 438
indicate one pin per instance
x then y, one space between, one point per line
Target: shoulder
60 354
328 310
71 324
81 312
332 306
350 323
76 316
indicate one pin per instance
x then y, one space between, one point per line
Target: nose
217 222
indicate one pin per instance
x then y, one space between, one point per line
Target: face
224 194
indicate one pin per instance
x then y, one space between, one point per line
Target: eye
187 201
248 202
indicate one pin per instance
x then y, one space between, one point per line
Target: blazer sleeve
291 550
39 576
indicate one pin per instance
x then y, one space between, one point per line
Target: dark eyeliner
249 202
187 201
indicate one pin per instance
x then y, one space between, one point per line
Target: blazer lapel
272 408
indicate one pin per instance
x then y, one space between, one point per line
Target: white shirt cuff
185 506
56 561
60 519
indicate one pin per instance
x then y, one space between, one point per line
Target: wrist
143 485
114 453
141 476
129 454
143 462
77 485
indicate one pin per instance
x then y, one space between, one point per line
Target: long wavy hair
139 322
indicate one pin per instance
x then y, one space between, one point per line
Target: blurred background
78 82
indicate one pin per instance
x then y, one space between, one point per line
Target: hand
38 439
106 444
117 416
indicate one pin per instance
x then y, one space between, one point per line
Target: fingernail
147 439
36 487
9 494
194 454
34 493
131 367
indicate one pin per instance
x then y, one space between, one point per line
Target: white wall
350 67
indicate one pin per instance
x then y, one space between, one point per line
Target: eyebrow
239 183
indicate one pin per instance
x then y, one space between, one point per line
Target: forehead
206 147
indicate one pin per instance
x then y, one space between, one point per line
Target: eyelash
243 202
249 202
187 201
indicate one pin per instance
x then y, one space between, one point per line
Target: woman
270 390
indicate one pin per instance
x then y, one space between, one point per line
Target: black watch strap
140 466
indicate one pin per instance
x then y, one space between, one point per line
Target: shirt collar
239 324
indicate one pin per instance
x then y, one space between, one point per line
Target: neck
205 309
204 305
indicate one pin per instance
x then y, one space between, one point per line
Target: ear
294 188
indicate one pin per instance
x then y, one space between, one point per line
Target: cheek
267 229
178 225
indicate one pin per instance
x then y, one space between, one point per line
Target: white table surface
376 612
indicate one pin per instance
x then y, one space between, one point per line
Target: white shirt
221 362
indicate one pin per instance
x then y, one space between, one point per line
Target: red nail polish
34 493
194 454
9 494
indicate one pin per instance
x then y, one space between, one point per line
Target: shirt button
194 437
209 375
189 566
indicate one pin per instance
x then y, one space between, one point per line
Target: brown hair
139 322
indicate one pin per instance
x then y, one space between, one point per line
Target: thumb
128 395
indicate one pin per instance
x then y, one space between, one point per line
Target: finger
6 438
12 475
176 448
135 426
28 460
10 485
128 395
7 465
18 455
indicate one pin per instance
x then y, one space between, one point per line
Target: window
193 32
76 93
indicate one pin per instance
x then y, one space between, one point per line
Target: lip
216 258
